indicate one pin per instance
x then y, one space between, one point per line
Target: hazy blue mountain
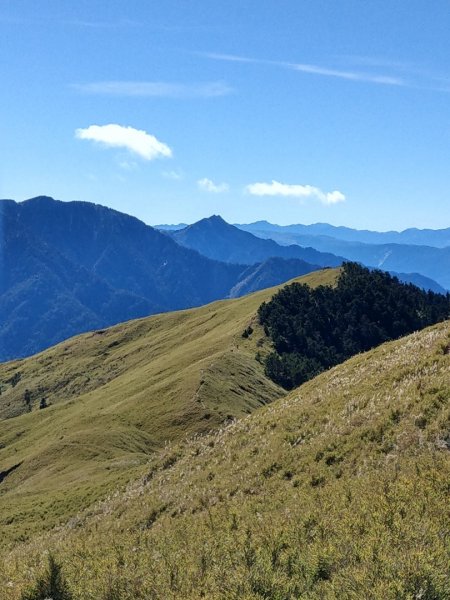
425 283
45 297
69 267
174 227
431 262
438 238
215 238
271 272
127 253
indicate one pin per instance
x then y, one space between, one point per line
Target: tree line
313 329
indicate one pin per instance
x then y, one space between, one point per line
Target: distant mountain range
424 266
216 239
440 238
69 267
431 261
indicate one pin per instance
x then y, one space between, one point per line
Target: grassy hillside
340 490
113 397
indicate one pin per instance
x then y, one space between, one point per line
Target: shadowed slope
67 267
70 267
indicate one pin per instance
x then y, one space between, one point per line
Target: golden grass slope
114 397
338 491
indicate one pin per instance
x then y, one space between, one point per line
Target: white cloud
275 188
137 141
209 186
157 89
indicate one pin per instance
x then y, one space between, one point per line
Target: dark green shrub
50 585
247 332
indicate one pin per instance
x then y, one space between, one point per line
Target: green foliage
315 329
50 586
247 332
14 380
27 399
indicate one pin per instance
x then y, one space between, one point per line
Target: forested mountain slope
315 329
70 267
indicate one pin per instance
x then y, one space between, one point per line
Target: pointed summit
215 238
212 221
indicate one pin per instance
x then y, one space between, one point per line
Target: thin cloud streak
103 24
411 76
422 75
384 63
349 75
233 58
155 89
315 70
36 20
173 175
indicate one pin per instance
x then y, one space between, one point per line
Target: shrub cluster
315 329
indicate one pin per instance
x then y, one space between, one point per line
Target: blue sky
294 111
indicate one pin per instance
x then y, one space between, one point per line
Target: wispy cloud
377 62
42 20
207 185
350 75
233 58
136 141
127 165
103 24
381 79
275 188
174 175
419 76
379 71
161 89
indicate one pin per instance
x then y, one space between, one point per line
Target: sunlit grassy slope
116 396
338 491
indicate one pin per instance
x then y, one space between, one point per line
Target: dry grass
340 490
114 398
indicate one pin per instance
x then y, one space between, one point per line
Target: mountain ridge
129 270
217 239
424 266
412 235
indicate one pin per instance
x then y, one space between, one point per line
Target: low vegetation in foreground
315 329
339 490
113 397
